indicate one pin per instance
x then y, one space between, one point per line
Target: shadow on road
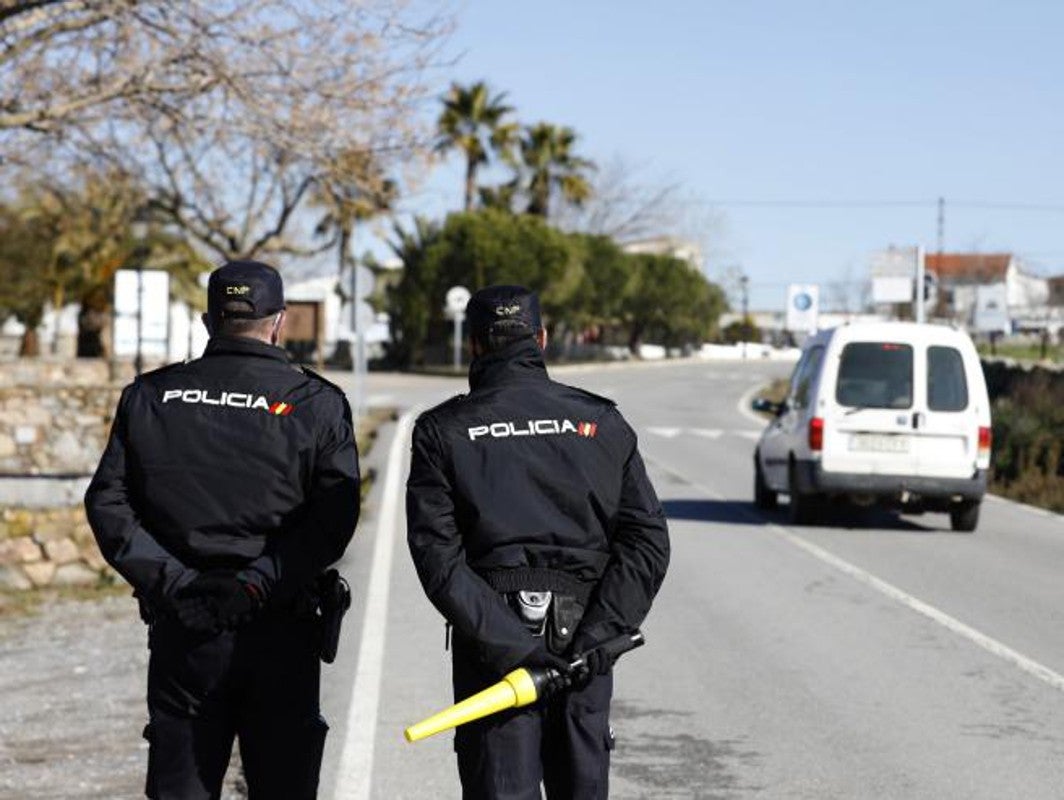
841 517
733 512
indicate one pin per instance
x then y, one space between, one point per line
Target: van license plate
878 443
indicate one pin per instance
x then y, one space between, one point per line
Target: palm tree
547 153
473 121
354 190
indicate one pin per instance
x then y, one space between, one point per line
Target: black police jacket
526 483
236 460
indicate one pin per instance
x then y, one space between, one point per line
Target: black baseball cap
252 282
503 311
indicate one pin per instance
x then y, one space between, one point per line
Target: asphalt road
877 657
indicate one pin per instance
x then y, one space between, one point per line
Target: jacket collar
520 361
243 346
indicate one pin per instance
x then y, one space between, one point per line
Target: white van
884 412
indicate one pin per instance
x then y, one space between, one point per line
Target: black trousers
260 684
563 744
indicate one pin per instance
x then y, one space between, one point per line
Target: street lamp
141 249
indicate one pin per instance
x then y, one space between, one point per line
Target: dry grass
15 603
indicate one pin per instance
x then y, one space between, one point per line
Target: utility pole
358 356
744 283
941 225
140 230
920 271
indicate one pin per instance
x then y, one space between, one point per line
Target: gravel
72 681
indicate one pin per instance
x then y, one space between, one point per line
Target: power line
996 205
991 205
817 204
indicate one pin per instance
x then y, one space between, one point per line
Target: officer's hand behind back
196 613
231 601
596 662
542 657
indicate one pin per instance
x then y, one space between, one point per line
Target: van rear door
868 427
945 423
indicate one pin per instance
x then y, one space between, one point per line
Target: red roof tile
979 267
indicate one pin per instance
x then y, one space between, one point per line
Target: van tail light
985 439
816 434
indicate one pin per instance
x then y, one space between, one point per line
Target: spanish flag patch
281 409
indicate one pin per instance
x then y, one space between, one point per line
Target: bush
1028 453
584 283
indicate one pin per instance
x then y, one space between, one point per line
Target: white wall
1025 291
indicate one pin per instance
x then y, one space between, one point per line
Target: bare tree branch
229 111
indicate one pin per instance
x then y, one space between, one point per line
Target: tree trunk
31 343
635 337
91 325
470 184
94 323
58 301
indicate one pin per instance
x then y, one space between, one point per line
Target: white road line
668 433
354 778
705 433
991 645
746 411
380 400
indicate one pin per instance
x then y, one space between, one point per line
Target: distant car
894 413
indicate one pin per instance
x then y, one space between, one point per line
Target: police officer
537 535
228 485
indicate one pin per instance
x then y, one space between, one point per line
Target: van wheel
764 498
804 509
964 516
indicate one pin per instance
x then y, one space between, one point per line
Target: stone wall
55 416
47 547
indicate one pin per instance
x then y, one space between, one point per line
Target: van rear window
875 375
947 387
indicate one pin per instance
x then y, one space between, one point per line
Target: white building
959 274
667 246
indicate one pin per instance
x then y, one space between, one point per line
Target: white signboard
893 273
991 312
457 300
892 290
803 307
147 293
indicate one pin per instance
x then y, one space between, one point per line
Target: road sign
455 306
457 300
803 306
991 314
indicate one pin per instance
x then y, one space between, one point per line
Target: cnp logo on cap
513 309
253 283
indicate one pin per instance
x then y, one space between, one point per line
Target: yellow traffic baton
522 687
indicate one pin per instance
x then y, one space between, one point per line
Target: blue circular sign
802 301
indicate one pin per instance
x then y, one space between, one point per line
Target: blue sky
815 101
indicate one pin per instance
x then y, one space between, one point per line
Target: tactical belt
540 579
